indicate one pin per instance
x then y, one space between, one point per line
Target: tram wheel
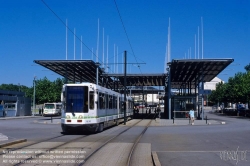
100 128
117 122
65 129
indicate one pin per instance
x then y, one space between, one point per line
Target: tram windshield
77 99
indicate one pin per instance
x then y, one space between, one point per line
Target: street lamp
34 95
169 89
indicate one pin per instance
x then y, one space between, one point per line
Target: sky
30 30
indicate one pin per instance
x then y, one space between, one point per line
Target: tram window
121 104
86 101
101 101
76 98
110 102
91 100
106 101
114 102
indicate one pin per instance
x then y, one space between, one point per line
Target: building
212 84
14 103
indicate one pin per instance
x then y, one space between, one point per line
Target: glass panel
49 106
58 106
77 99
115 102
91 100
106 101
110 102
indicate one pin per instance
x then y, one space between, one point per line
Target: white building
212 84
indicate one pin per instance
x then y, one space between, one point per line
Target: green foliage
12 87
46 91
247 67
236 90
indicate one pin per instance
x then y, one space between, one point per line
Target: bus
91 107
50 109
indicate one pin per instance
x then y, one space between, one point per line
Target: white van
50 109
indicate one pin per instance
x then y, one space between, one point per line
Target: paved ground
222 140
4 140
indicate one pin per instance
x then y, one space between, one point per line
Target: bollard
206 119
173 120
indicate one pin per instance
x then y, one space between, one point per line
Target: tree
21 88
247 67
47 91
236 90
10 87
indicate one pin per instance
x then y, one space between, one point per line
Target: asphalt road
29 128
207 145
179 145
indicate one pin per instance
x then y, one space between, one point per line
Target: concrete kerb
12 142
48 122
155 159
183 122
18 117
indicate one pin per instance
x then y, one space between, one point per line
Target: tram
91 107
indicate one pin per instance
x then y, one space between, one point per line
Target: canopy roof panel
182 71
140 79
74 70
196 70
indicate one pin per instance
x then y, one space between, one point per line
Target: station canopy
195 70
182 71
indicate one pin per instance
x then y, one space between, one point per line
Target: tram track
108 141
136 143
27 145
51 149
89 144
131 151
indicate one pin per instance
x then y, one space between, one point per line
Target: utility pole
34 95
125 85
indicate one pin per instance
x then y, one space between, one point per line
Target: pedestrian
191 115
4 113
137 109
157 112
134 112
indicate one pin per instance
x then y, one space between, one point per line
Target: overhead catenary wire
65 24
79 38
126 34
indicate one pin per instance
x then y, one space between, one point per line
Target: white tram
91 107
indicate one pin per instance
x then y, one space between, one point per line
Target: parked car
230 111
242 111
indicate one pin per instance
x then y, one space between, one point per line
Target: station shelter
183 81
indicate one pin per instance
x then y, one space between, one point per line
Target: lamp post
34 95
169 90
